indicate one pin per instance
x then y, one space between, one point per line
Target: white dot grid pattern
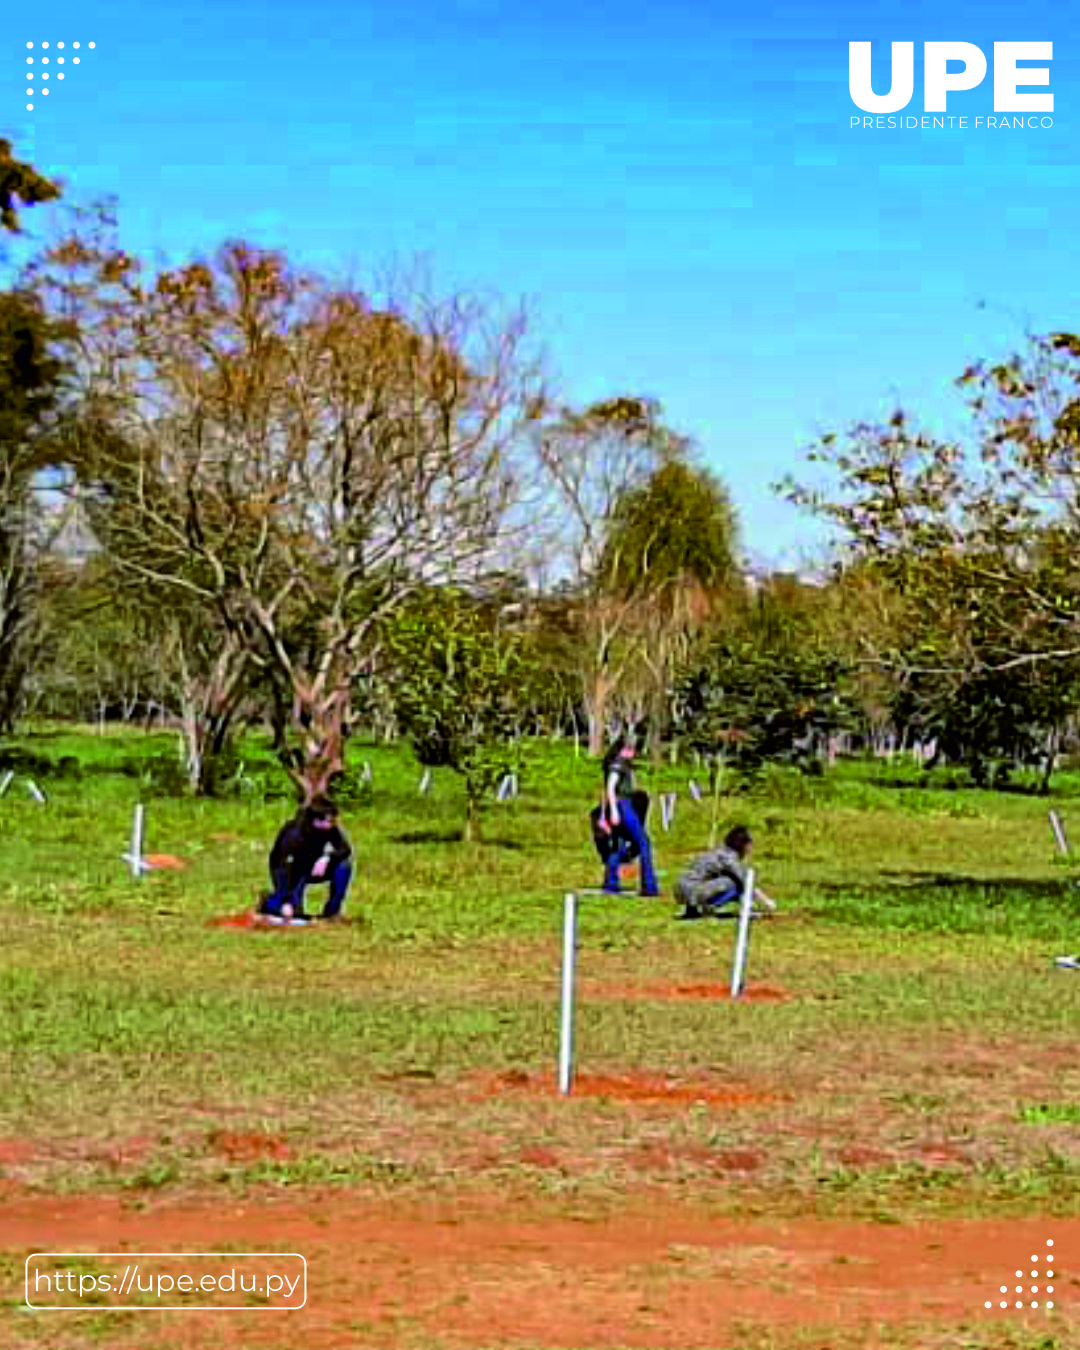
1034 1288
44 75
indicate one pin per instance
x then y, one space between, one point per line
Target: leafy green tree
32 375
771 689
671 551
976 543
457 680
20 182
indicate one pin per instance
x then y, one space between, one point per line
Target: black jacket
606 841
296 850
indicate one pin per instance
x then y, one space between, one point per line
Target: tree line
240 492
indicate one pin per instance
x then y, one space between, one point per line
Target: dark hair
738 839
614 751
320 808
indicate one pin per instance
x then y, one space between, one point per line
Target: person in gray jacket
717 878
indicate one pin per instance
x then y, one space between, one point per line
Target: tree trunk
471 833
312 747
1050 763
596 706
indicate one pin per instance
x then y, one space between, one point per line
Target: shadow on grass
956 785
452 837
955 903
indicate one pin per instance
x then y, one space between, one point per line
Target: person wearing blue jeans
717 879
620 817
310 850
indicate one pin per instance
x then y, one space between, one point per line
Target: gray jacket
711 873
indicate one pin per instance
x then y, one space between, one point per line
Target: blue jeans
634 831
338 879
709 898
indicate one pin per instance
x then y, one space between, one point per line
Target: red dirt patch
247 919
860 1155
536 1156
638 1087
740 1160
225 839
258 923
656 1275
247 1147
164 862
941 1153
15 1151
690 992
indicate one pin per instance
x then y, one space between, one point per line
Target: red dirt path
658 1275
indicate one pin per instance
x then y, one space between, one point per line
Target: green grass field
921 1069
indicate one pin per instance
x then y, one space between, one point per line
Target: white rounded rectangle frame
159 1307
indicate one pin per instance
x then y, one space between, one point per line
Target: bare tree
299 460
592 459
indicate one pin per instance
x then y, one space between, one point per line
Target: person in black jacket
310 850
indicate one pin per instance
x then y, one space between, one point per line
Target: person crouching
718 878
310 850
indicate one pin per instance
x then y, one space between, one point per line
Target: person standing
622 817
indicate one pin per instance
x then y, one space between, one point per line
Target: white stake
35 791
667 809
5 783
566 1034
742 939
425 782
1059 833
695 791
365 777
136 857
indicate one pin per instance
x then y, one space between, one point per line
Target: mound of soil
635 1087
249 919
164 862
691 992
247 1147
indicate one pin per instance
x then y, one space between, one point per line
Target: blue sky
678 190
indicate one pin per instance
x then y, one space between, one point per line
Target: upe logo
939 81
